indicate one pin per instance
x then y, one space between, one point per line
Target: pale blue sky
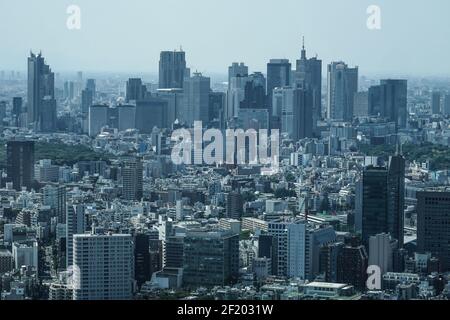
127 35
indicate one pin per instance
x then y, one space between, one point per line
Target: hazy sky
127 35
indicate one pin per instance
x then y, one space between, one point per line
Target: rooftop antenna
303 48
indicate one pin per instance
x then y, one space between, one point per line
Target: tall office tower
235 95
135 90
172 69
127 117
75 224
381 252
380 199
278 76
98 118
54 196
236 70
103 267
17 110
433 232
298 247
375 100
217 102
132 175
151 113
210 258
196 99
87 99
436 102
446 106
175 104
48 115
361 104
342 86
237 78
20 163
395 101
294 106
308 75
79 82
352 264
255 92
41 83
235 205
91 86
142 258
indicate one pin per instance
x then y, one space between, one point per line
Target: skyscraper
48 114
237 78
436 102
98 118
75 224
127 117
132 175
20 163
298 246
196 99
235 205
446 107
54 196
294 106
278 75
142 258
91 86
17 110
135 89
254 92
380 200
41 84
151 113
394 101
433 232
308 75
342 86
103 267
172 69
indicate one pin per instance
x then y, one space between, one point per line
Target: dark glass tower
135 90
172 69
433 232
142 259
20 163
382 196
41 84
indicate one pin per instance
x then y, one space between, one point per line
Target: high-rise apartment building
103 267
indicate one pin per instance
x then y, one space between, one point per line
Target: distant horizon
411 40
